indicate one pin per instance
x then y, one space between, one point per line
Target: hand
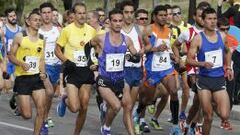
208 65
141 52
162 48
25 66
43 76
229 74
94 67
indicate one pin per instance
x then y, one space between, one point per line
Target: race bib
80 58
215 57
114 62
10 41
161 61
50 57
33 62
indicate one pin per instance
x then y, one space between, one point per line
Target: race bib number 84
114 62
215 57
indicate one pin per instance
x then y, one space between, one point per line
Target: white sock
107 128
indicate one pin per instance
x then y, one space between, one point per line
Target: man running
27 53
112 47
53 64
212 52
78 76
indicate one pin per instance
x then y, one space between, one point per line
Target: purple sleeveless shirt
111 62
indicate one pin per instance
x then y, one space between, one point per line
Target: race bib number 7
114 62
215 57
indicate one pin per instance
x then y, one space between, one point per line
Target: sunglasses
225 29
175 14
143 18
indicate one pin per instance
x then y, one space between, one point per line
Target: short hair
113 12
223 21
9 10
159 8
141 11
2 15
78 4
34 12
204 5
168 6
126 3
208 11
99 9
176 6
46 5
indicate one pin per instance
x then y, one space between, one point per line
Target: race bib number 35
80 58
215 57
114 62
33 62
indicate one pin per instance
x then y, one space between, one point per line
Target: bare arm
130 45
58 52
175 48
12 54
42 61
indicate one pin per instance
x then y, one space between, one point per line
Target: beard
13 22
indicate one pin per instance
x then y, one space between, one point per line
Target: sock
171 108
142 120
140 108
193 125
106 127
175 109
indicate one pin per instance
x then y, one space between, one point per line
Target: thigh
84 93
205 98
108 96
221 98
170 84
126 100
39 98
24 103
73 94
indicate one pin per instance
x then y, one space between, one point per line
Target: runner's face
161 18
116 22
210 22
177 15
80 14
101 15
224 28
128 14
142 19
12 18
71 18
91 20
55 16
198 18
47 15
35 21
169 16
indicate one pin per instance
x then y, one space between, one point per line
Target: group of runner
128 57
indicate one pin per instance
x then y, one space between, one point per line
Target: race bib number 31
215 57
33 62
114 62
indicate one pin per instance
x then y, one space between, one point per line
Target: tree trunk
105 6
67 4
19 9
191 9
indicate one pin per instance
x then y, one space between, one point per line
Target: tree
191 10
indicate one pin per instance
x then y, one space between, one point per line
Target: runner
53 64
27 53
112 47
158 65
210 48
78 75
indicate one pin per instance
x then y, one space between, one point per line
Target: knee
26 115
74 108
208 117
116 108
225 115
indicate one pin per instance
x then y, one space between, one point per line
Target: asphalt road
15 125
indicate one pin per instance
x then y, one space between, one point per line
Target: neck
96 26
47 26
127 25
114 33
78 25
32 32
197 26
209 32
160 27
11 26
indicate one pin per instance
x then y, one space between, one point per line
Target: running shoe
155 124
182 116
17 112
50 122
44 129
151 109
12 102
105 132
198 129
144 127
226 125
61 107
175 130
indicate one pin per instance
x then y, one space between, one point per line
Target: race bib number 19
114 62
215 57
